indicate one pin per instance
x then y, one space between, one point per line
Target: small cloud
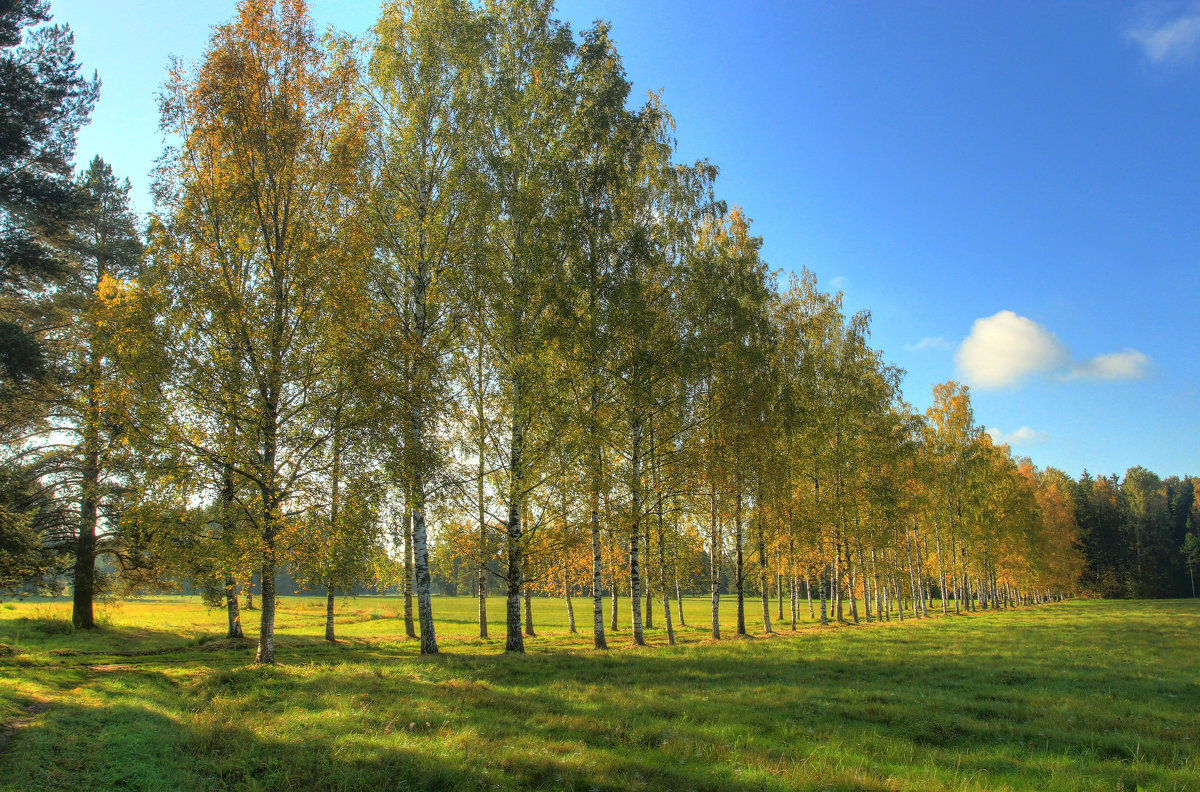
1170 40
1022 437
928 342
840 282
1128 364
1004 349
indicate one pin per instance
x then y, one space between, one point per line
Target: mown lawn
1083 695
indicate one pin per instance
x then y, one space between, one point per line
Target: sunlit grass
1086 695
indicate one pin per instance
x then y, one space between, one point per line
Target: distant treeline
1138 534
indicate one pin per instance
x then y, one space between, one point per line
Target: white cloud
928 342
1022 437
840 282
1127 364
1171 40
1004 349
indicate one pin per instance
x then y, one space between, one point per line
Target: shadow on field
142 748
969 706
697 721
152 751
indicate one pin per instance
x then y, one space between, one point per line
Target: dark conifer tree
43 102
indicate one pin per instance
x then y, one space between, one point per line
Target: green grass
1083 695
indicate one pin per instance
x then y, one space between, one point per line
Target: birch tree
247 260
525 148
423 82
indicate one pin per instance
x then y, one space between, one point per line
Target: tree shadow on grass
704 721
133 745
981 713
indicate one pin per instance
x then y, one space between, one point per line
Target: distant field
1083 695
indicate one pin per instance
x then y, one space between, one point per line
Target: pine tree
44 101
106 249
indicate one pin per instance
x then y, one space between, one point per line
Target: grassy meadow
1082 695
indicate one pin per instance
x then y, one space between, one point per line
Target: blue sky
1009 188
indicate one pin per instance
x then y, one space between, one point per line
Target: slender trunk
821 589
739 570
864 570
853 581
482 549
714 561
808 594
329 635
482 594
968 598
635 571
615 599
84 581
416 428
793 580
794 592
231 608
567 593
954 573
410 628
779 596
528 603
937 543
662 574
648 577
334 503
266 624
650 463
763 571
835 583
266 630
270 522
598 639
887 600
878 588
421 549
516 499
678 594
912 575
922 578
226 511
595 474
827 588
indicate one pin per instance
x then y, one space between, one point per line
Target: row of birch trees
443 296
